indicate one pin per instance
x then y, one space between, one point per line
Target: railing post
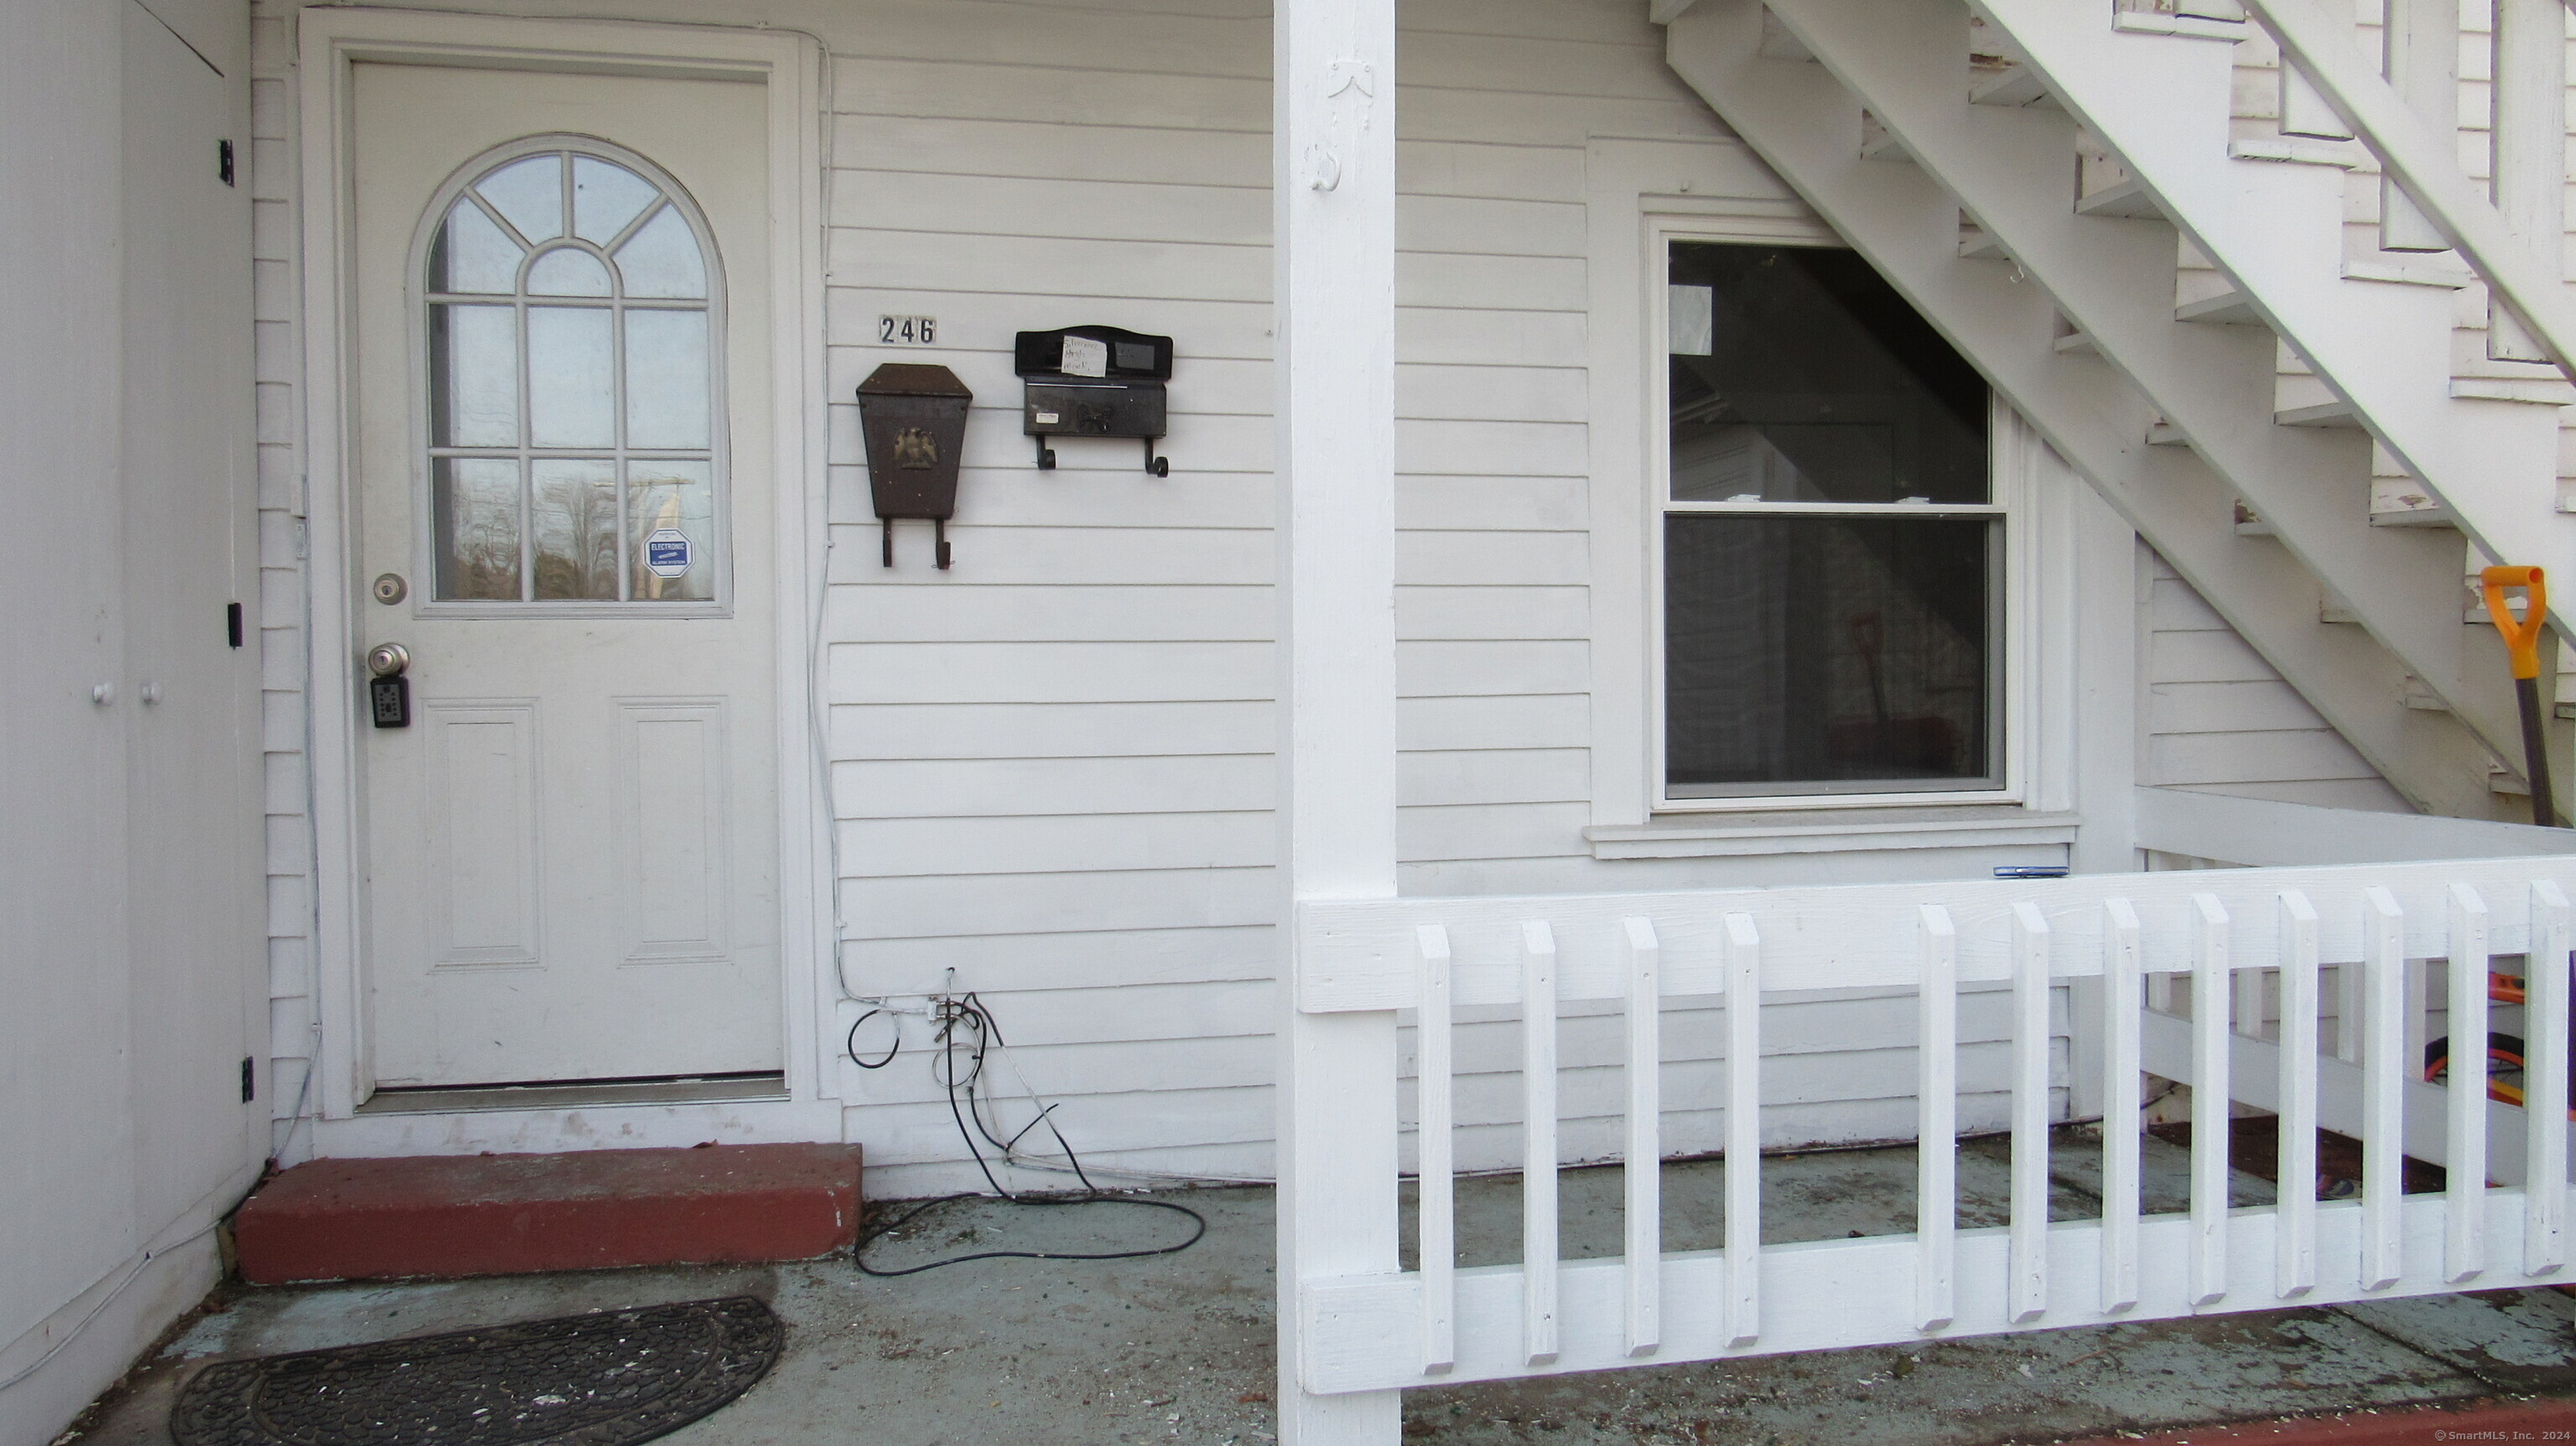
1435 1196
2210 979
1538 1144
1743 1130
2123 1114
1936 1141
2303 111
2026 1299
2388 1059
2544 1080
1645 1152
1333 291
2464 1208
2528 141
2294 1231
2420 55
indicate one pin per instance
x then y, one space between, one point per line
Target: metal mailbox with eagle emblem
913 418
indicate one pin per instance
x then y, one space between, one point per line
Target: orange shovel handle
2521 638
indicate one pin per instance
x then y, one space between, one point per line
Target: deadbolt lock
390 588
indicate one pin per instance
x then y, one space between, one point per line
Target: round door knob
388 660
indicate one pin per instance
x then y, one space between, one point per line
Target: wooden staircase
2167 290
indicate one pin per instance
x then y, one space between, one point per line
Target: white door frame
789 67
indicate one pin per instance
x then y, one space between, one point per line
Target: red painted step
453 1215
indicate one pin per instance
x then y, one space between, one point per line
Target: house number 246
907 330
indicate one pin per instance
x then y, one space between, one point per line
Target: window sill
1821 831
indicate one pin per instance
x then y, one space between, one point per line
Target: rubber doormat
584 1380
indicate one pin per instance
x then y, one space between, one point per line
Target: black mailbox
1094 381
913 418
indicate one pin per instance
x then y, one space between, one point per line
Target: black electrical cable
850 1045
968 1014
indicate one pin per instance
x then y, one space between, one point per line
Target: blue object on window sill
2031 871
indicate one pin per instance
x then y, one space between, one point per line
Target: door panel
572 854
482 785
675 790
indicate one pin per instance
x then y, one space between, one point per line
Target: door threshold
575 1094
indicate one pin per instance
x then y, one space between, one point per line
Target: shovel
2522 641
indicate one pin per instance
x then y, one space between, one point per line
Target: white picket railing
2212 933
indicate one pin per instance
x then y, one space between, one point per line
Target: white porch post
1333 178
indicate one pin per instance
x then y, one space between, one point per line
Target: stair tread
2319 414
2015 85
2228 308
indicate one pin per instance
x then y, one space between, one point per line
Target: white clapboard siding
1053 752
951 788
1001 613
2221 721
1022 843
1527 720
1467 612
1074 730
1099 958
1457 833
1083 672
1105 555
278 363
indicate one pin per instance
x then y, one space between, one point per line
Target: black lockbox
389 701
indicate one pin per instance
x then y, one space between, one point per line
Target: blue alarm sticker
667 552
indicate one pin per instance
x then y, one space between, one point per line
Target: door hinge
224 161
233 623
250 1080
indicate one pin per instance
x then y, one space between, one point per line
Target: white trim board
2257 832
789 67
592 1127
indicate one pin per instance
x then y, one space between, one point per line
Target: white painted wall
128 866
2219 720
1050 767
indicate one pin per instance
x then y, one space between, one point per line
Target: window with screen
1832 549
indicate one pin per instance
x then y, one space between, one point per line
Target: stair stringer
1806 127
2010 167
2494 464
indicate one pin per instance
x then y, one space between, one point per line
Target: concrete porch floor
1177 1349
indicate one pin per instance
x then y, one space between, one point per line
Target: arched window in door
573 313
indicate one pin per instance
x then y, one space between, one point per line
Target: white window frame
1642 196
418 300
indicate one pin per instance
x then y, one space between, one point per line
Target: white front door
564 517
